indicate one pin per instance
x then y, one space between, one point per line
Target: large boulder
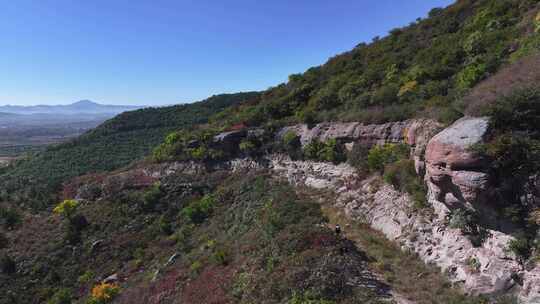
457 176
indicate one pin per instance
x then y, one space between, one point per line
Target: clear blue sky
163 52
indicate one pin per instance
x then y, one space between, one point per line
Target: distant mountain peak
85 102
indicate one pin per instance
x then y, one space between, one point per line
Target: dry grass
521 74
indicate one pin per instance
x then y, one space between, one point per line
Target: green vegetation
7 265
67 209
199 210
307 298
152 197
329 151
467 221
188 145
514 153
402 175
62 296
381 155
393 161
34 181
418 70
244 238
9 217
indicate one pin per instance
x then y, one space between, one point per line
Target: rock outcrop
456 176
415 132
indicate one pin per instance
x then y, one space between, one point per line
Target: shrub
306 116
307 298
199 210
247 146
313 149
464 220
385 95
220 257
474 264
196 267
381 155
407 87
357 157
76 222
152 197
67 208
86 277
62 296
9 218
165 225
468 222
330 151
103 293
519 111
291 139
470 75
4 242
7 264
521 247
402 176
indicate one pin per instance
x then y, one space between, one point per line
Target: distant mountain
2 114
80 107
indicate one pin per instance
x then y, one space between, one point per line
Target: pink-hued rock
455 175
451 147
414 132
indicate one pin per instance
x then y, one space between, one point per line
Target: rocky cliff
456 178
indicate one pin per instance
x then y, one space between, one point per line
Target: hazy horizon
60 52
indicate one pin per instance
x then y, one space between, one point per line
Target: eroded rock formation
456 176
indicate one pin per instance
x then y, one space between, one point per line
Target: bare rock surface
456 176
415 132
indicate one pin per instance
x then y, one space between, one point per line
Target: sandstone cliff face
414 132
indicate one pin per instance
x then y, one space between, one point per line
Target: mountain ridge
78 107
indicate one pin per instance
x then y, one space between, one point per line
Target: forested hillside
116 143
421 70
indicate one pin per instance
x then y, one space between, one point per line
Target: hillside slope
116 143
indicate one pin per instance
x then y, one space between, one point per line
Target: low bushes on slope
513 149
243 238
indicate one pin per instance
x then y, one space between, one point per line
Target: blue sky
164 52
